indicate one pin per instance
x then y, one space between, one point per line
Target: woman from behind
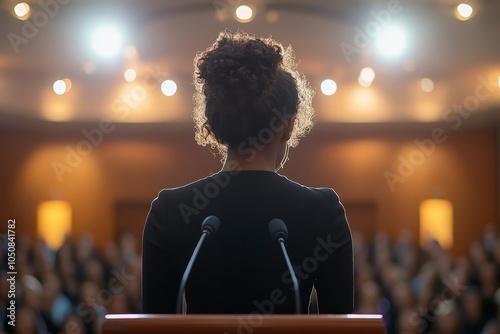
251 106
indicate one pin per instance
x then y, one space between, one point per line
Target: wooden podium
243 324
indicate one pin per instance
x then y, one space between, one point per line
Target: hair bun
239 68
240 81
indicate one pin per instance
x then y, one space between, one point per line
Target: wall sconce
436 222
54 222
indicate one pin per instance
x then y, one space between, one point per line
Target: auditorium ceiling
387 61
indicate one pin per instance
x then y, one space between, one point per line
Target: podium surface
243 324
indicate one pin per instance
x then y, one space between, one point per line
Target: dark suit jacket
241 269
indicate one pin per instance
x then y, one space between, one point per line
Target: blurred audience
416 289
427 290
71 289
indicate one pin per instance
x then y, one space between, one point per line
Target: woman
251 105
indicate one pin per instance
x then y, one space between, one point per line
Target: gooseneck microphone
209 226
279 232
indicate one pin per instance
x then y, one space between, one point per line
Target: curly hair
241 83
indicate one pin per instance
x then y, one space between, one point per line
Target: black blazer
241 269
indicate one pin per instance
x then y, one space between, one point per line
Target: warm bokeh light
328 87
272 16
367 74
427 85
364 83
107 41
131 52
22 10
89 67
244 13
62 86
436 222
366 102
499 81
391 41
427 109
464 11
130 75
144 100
168 87
54 222
68 84
366 77
59 87
59 108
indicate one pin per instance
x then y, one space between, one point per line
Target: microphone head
277 229
210 224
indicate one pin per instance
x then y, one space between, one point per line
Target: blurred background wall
380 173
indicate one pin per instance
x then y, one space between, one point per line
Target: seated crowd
418 290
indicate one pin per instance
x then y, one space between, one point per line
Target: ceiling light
22 10
130 75
168 87
366 77
328 87
107 41
244 13
464 11
59 87
427 85
367 74
391 41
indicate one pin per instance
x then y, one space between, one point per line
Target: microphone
279 232
209 226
